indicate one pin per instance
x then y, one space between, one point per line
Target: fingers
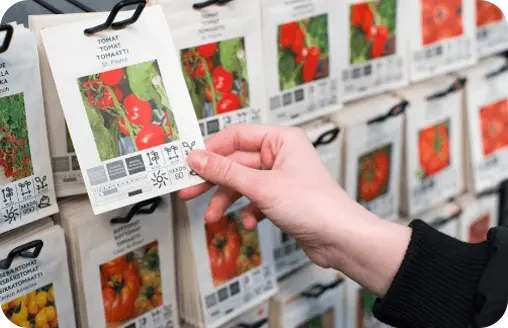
194 191
251 215
219 203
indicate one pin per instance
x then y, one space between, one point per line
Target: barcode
61 164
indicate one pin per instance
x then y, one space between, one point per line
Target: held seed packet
479 215
375 59
373 134
231 269
312 297
126 106
486 108
492 29
219 48
301 59
27 191
35 288
434 172
66 170
445 39
123 264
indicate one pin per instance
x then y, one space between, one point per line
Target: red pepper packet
27 190
127 107
375 59
492 29
302 51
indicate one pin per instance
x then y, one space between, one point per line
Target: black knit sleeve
436 283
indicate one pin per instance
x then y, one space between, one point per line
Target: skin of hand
280 172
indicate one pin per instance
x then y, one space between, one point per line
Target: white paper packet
225 293
155 131
27 190
66 170
37 289
302 52
373 134
492 29
220 55
140 251
433 170
443 37
375 58
479 215
313 295
255 318
358 307
445 218
486 113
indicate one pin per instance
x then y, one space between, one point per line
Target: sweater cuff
436 282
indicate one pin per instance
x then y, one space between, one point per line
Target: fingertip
250 222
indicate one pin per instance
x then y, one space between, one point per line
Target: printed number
179 175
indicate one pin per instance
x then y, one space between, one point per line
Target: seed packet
445 37
479 215
231 269
492 29
359 303
255 318
301 59
220 56
486 108
376 58
373 131
35 288
312 297
126 106
27 190
445 218
66 170
433 170
123 264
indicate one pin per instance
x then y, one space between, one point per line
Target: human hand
278 169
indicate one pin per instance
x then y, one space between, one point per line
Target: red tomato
228 103
223 251
151 135
311 64
200 70
121 125
112 78
222 79
207 50
434 148
287 34
107 101
138 111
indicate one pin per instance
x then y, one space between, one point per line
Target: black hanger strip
258 324
497 72
318 289
327 137
394 111
457 85
22 251
9 32
208 3
110 21
145 207
48 6
488 192
439 222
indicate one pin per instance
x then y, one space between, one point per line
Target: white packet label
234 266
38 290
136 149
376 58
220 49
26 181
138 254
492 29
301 56
446 37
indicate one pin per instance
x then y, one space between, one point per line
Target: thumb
224 171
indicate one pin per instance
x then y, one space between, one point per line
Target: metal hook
318 289
110 21
8 37
139 208
22 251
457 85
394 111
257 324
208 3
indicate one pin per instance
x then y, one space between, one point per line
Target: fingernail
197 160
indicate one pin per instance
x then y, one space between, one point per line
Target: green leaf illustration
228 54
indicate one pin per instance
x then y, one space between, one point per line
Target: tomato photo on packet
487 13
374 174
434 149
441 20
128 110
217 77
494 127
303 51
373 30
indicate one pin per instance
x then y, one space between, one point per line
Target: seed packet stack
445 218
492 29
66 171
486 132
479 215
312 297
373 131
302 53
219 48
123 263
126 105
27 191
375 59
433 170
445 37
35 289
224 269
